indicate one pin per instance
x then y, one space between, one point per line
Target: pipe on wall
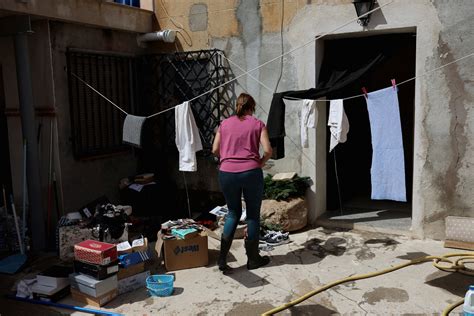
27 114
167 36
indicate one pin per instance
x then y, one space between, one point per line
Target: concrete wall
42 85
446 120
249 33
98 13
79 181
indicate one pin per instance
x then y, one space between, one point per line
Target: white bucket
468 306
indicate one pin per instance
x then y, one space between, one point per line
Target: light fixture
362 7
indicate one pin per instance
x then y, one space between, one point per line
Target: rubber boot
226 242
254 261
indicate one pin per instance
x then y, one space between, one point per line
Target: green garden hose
440 262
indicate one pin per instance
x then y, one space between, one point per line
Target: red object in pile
207 223
95 252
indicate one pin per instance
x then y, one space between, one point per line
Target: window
96 125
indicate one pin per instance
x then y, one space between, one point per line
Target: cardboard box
133 258
91 286
124 247
49 293
140 244
133 282
187 233
55 276
184 253
131 270
94 301
72 235
95 252
96 271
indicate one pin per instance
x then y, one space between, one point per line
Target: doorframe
320 207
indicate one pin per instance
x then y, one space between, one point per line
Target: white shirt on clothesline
187 138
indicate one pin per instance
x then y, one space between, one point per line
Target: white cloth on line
187 137
388 163
338 123
308 116
132 130
309 119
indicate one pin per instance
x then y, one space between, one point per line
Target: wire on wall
282 15
180 27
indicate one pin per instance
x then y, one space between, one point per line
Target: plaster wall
249 33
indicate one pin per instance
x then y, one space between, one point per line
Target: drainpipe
27 114
167 36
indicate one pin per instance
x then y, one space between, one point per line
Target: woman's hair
245 103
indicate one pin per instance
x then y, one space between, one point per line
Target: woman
237 145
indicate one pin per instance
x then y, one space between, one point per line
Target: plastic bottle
468 306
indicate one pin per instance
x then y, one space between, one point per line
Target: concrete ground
313 258
388 221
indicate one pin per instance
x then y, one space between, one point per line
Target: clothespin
394 84
364 90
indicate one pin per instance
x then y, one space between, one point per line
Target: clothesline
347 98
264 111
413 78
248 71
280 56
93 89
358 95
264 85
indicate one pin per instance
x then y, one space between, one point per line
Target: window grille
144 85
170 79
95 124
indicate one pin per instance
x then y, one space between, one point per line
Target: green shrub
285 189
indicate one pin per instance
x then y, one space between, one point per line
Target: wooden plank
459 244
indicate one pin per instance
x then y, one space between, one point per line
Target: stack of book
132 275
52 284
95 279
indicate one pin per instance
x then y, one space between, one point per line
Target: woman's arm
267 147
216 144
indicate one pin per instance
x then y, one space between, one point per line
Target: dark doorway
5 172
354 158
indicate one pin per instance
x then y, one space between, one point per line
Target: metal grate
152 82
170 79
96 125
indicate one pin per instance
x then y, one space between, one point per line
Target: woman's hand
216 144
267 147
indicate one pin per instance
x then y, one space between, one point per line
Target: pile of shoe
271 238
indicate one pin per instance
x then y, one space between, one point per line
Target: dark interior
5 174
354 157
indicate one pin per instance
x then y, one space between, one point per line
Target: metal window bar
170 79
145 84
96 127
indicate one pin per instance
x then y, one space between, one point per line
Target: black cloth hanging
341 67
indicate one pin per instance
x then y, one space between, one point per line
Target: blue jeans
250 183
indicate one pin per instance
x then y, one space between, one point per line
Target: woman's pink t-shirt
240 140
